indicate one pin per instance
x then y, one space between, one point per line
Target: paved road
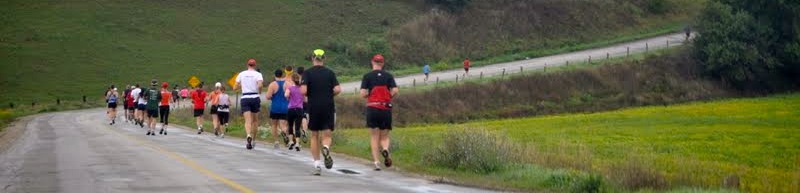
77 151
614 51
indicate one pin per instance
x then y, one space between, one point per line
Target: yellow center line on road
192 165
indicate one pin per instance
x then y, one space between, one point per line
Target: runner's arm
364 93
260 85
336 90
287 92
270 90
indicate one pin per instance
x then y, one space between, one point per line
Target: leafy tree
752 44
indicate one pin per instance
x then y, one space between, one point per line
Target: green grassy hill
70 48
67 49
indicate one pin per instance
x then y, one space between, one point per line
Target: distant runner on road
379 87
130 105
199 100
426 70
163 107
111 98
176 96
139 105
125 101
279 107
250 81
320 86
214 98
466 67
153 97
223 111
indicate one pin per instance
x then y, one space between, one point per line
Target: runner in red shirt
379 87
466 67
199 100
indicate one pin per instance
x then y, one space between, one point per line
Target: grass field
66 50
753 142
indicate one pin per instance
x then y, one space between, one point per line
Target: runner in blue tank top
279 108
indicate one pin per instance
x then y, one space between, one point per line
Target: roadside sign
232 80
194 81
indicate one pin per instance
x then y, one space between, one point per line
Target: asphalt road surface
77 151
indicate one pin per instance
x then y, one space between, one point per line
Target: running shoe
285 139
249 143
386 159
161 131
297 147
317 171
291 146
199 130
222 136
326 152
377 166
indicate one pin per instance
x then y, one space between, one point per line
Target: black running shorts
378 118
140 107
198 112
152 112
278 116
112 105
213 109
321 120
223 117
251 105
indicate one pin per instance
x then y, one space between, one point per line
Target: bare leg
284 125
248 123
326 138
215 122
384 139
315 140
374 143
273 124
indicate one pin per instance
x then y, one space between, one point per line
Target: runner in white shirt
137 114
250 81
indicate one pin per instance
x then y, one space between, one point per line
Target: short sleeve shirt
199 97
248 79
320 82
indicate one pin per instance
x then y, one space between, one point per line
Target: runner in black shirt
320 86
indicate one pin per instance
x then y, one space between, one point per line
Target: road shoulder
12 133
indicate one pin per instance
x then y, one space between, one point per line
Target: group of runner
300 100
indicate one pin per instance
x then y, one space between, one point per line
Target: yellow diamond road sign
232 80
194 81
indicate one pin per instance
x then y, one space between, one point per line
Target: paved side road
77 151
613 51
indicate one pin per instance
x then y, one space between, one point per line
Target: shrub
475 150
451 5
635 175
658 6
750 44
